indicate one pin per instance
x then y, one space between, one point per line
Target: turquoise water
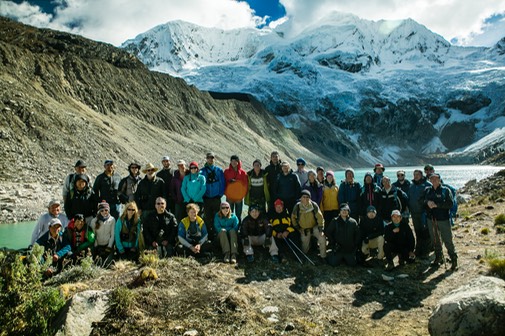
18 235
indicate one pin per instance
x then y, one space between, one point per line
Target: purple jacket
316 191
175 187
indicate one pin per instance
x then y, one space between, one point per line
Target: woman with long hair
226 225
127 232
103 226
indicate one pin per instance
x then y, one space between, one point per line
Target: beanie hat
278 202
329 172
254 207
319 169
81 177
349 170
258 161
312 171
80 163
234 157
305 192
103 205
225 204
345 206
379 165
301 161
193 164
371 208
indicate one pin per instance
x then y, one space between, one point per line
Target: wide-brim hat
148 167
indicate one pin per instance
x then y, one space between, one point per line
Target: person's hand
55 258
396 230
285 234
164 243
279 235
197 248
412 255
321 232
108 250
155 244
432 204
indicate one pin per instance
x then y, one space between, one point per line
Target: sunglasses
130 209
400 175
193 168
150 170
225 207
160 203
300 164
104 210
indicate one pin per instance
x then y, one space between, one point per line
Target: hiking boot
275 259
233 259
226 258
390 266
454 264
250 258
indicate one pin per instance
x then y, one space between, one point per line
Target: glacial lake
18 235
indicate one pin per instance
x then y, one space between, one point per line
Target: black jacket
400 240
160 227
343 235
442 197
255 227
371 228
148 191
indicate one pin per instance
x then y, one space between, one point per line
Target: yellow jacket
330 198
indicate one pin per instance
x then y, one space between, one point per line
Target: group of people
195 211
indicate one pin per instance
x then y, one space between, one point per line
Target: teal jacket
126 237
193 188
228 224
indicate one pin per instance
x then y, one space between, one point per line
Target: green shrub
149 258
500 229
497 266
84 271
499 220
484 231
121 301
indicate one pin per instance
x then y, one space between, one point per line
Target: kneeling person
343 238
56 245
372 231
257 231
80 236
399 240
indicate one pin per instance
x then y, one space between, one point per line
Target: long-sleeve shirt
226 223
42 225
126 235
104 235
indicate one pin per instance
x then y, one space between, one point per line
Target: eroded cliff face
63 97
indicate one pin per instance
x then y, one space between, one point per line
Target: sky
461 22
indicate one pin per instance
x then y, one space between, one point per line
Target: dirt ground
293 299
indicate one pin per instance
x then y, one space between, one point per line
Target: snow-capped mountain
389 91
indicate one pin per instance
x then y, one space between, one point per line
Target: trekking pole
299 250
296 255
436 234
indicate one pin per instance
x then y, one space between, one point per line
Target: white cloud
461 19
115 21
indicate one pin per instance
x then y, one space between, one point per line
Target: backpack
315 209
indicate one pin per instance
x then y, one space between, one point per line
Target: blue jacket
416 196
228 224
60 246
121 244
349 193
214 176
193 188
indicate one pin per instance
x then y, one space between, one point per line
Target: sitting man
372 231
257 231
399 240
53 211
308 219
282 230
56 245
160 229
343 238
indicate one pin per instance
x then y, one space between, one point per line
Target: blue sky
462 22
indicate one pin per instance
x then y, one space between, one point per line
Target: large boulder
477 308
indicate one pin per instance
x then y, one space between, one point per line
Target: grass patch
500 229
149 259
84 271
122 301
484 231
497 267
499 220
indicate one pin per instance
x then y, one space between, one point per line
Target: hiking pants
259 241
228 241
444 235
377 243
306 236
336 258
423 238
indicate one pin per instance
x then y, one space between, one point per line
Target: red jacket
235 183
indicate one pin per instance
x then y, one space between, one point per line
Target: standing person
68 184
81 199
329 203
320 174
343 238
315 188
42 226
303 175
192 234
80 237
175 190
160 229
391 198
369 196
287 187
166 173
214 191
103 225
402 182
128 185
56 245
257 191
398 240
150 188
349 193
438 202
236 185
378 174
372 233
417 211
428 170
106 187
226 225
273 170
193 186
127 232
256 230
308 220
282 229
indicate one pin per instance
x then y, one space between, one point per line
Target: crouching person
399 241
127 232
160 229
257 231
192 234
80 237
282 230
56 245
343 238
226 226
308 219
103 226
372 231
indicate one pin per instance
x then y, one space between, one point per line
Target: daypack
315 209
454 210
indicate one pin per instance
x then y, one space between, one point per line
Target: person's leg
350 259
446 234
248 244
233 242
222 237
380 246
321 240
436 239
305 237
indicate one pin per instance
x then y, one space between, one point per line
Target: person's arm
217 223
234 219
203 188
117 234
37 230
90 239
65 247
181 235
184 190
205 235
111 234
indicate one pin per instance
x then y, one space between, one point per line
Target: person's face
329 178
275 158
134 170
257 167
55 210
305 199
349 176
396 218
225 209
312 177
401 176
80 185
193 169
417 176
109 167
79 223
150 173
80 170
181 167
104 212
55 230
344 213
234 163
435 180
320 173
285 169
210 160
165 163
130 212
279 208
192 214
160 206
300 165
386 182
428 171
255 213
371 214
368 179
